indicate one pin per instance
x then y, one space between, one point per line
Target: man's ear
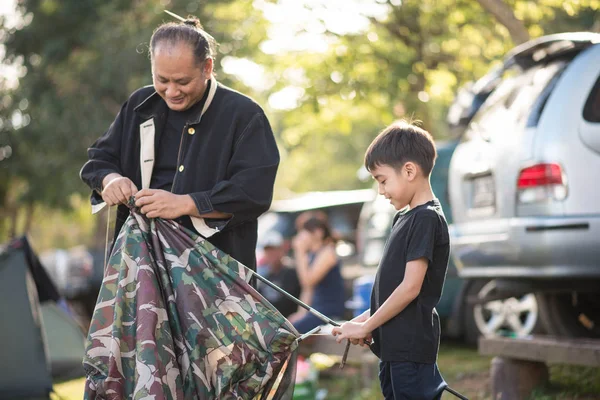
208 67
410 170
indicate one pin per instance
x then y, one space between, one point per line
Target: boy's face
395 184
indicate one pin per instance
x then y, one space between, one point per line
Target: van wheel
575 314
512 317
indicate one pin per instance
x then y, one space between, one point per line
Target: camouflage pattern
177 319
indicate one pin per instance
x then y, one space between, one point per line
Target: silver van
524 183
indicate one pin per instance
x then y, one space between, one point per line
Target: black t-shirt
286 279
413 334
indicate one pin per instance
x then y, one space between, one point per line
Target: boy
402 321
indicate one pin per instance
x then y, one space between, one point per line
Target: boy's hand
361 318
353 331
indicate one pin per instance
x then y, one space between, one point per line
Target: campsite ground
465 371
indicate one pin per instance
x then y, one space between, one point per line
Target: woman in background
319 272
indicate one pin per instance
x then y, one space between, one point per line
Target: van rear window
591 111
540 103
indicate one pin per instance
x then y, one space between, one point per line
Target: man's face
177 77
394 185
272 255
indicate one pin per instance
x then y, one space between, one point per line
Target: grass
70 390
570 382
468 373
465 371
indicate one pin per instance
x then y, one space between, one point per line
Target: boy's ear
411 170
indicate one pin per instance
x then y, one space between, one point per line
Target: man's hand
117 189
156 203
353 331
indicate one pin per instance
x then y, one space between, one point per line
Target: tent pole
295 300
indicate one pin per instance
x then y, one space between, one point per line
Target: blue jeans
407 380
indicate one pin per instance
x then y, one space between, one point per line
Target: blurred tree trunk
3 218
417 36
13 214
29 214
505 15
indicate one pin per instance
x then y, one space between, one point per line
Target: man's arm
248 191
191 209
104 159
156 203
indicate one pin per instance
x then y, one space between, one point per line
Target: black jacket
230 162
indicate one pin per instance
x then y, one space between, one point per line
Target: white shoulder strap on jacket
146 157
199 223
146 151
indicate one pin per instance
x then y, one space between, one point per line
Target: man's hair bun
193 21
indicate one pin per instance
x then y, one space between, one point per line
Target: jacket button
191 131
181 168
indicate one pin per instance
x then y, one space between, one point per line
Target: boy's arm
419 252
362 317
404 294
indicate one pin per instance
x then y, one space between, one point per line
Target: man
188 148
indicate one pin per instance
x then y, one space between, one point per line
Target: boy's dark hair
399 143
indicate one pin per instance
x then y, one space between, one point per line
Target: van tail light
541 182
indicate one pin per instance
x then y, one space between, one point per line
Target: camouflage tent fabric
177 319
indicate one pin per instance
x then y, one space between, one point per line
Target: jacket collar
154 106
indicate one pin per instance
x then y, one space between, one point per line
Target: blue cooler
361 298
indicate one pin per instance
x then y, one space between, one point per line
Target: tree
505 15
83 58
407 63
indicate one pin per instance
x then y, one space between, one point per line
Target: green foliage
406 65
82 58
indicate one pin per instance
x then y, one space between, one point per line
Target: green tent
41 341
65 342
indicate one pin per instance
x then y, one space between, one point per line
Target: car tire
575 314
478 319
